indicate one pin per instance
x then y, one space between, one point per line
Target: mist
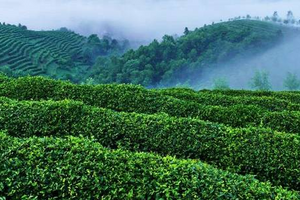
145 20
277 62
138 20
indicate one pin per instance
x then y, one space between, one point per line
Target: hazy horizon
133 19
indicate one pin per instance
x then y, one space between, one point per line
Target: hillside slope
66 55
181 60
58 54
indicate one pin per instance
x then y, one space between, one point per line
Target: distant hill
181 60
63 54
60 54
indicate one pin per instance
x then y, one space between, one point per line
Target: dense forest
177 60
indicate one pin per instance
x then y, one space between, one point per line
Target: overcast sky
134 19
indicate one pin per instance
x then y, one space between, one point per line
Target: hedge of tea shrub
77 168
270 155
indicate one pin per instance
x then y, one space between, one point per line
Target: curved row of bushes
270 103
77 92
76 168
130 98
270 155
293 97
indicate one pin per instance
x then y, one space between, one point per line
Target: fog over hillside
277 62
134 19
144 20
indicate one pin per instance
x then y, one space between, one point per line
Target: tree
267 18
186 84
291 82
93 48
64 29
275 16
220 84
260 81
93 39
290 17
22 27
193 55
186 31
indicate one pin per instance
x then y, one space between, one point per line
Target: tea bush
270 155
76 168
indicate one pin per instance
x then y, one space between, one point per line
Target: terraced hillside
57 54
39 52
65 141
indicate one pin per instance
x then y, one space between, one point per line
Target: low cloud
134 19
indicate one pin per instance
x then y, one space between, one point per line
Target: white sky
134 19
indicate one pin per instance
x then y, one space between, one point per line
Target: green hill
63 54
181 60
60 54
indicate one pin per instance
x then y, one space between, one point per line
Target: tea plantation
59 54
59 140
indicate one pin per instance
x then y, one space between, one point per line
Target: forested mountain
179 60
60 54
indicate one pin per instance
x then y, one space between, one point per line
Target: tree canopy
172 61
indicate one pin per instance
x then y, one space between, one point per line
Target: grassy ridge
130 98
74 168
269 155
